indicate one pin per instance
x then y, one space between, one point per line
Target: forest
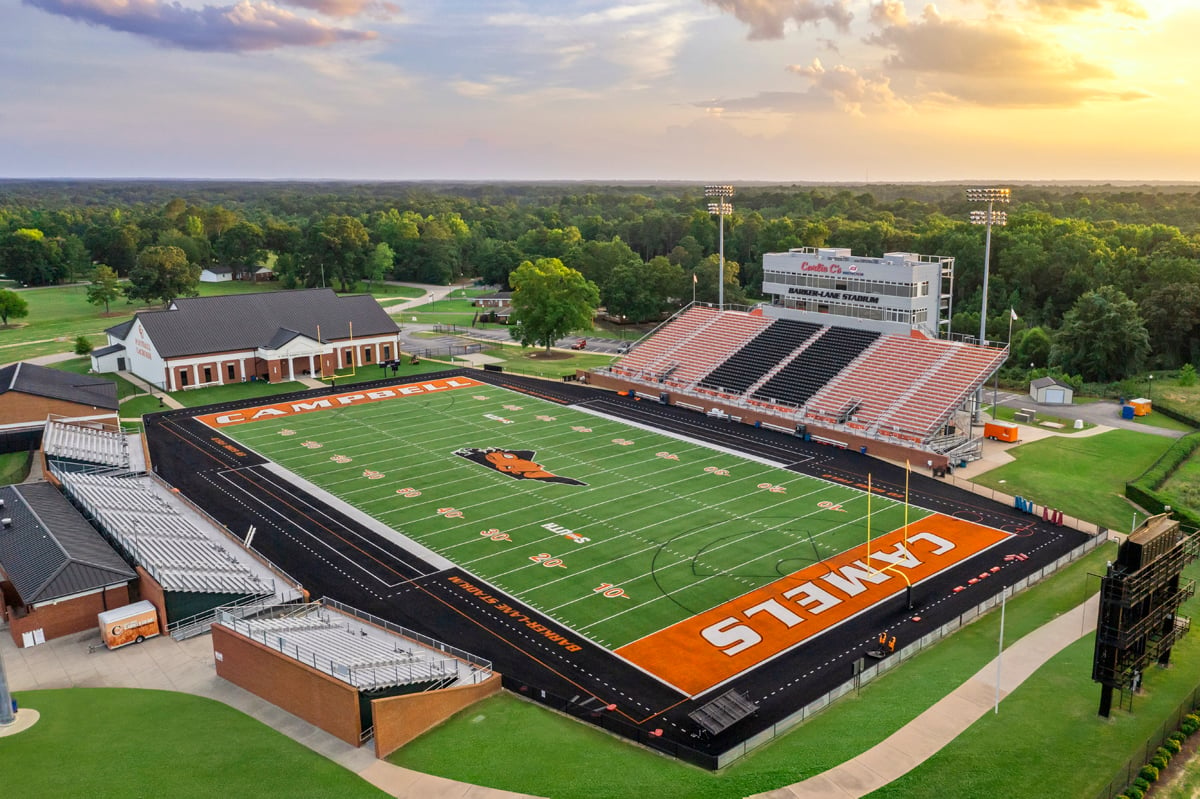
1104 280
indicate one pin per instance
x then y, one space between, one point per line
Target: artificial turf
677 526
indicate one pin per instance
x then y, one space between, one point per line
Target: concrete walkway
187 666
163 397
925 735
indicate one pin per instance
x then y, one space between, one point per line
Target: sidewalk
164 397
187 666
925 735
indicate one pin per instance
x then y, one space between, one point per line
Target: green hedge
1144 490
1166 409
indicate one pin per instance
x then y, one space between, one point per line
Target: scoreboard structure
1139 617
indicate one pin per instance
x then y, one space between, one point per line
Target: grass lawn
109 742
613 769
82 366
408 316
1153 419
14 467
526 361
1005 413
1084 477
1182 489
140 406
1048 731
236 391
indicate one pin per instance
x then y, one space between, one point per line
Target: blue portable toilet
1127 412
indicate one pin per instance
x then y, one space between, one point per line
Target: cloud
238 28
768 18
987 62
846 87
1063 8
346 8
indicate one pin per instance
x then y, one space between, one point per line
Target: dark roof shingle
201 325
50 551
41 381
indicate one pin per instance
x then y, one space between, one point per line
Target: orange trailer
1000 431
130 624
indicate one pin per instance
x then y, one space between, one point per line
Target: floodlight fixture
990 217
722 209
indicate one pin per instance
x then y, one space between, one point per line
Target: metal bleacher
812 369
354 648
85 443
160 539
749 364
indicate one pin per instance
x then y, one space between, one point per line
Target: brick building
274 336
56 571
29 393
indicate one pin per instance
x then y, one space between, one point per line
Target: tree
381 262
1102 337
336 249
1033 346
28 257
162 273
105 287
83 345
550 301
240 245
12 305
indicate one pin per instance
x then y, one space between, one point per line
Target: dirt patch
552 355
1176 768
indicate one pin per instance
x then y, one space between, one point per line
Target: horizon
822 92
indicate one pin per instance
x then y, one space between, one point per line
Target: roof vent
7 522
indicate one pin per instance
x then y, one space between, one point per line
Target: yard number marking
610 591
546 559
830 506
450 513
495 535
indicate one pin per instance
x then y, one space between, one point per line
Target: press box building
275 336
894 294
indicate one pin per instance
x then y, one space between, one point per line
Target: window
367 355
387 352
349 357
183 378
231 370
208 374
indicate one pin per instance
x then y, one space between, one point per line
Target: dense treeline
1105 279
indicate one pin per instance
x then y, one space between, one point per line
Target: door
1055 396
121 364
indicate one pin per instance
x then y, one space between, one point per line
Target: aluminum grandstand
834 380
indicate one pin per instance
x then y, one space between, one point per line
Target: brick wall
400 719
18 407
68 616
301 690
149 589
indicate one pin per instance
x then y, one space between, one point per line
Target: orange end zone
709 648
294 407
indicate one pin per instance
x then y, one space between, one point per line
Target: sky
611 90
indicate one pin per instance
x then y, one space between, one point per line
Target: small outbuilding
1048 391
29 393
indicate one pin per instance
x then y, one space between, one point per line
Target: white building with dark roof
275 336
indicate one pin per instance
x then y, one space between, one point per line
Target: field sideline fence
1126 773
889 663
597 716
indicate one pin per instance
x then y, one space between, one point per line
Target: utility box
1001 431
1141 406
128 625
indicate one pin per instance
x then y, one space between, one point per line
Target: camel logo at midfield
516 463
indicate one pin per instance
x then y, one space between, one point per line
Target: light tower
989 217
721 208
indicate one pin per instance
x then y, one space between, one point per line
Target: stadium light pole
721 208
989 217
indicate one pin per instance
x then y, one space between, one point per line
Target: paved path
925 735
187 666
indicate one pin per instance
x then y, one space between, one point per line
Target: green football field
661 530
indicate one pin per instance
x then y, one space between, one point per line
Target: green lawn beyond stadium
659 530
